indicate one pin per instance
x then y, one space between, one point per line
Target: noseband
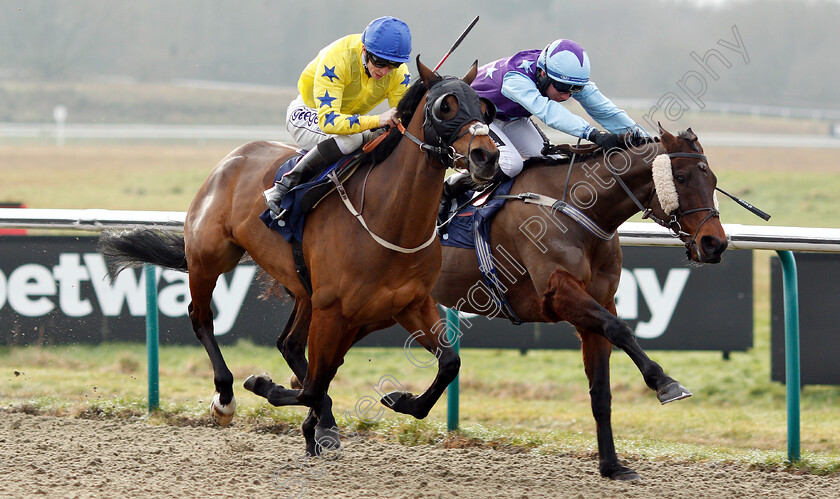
673 222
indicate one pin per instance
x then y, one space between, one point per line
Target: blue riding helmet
566 62
388 38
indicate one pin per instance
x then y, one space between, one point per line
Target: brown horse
559 269
355 278
564 272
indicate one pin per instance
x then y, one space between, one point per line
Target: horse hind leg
292 342
223 405
425 326
566 299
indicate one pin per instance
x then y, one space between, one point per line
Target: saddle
305 197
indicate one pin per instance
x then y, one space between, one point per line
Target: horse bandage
663 182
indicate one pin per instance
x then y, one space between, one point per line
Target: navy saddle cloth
303 197
461 229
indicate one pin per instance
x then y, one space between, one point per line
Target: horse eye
444 107
680 179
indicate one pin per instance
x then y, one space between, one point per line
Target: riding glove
606 140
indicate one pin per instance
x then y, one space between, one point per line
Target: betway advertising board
55 289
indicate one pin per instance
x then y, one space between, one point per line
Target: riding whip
457 42
746 205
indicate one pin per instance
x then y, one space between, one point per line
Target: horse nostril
713 246
479 156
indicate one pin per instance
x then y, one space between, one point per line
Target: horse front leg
223 405
596 351
329 339
425 326
566 299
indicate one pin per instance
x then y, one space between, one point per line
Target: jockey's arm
522 90
605 112
328 97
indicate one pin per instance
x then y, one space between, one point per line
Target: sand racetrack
66 457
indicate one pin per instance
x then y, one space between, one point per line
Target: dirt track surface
63 457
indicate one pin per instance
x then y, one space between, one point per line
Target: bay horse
568 273
355 278
557 269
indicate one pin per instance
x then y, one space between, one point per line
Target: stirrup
272 200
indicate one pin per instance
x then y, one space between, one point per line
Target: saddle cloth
304 197
470 228
473 218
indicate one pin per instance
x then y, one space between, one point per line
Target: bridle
673 222
443 133
444 151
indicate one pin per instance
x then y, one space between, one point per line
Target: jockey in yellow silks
347 80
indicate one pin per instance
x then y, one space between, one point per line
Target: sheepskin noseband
663 182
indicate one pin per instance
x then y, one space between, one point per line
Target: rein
672 224
382 242
445 153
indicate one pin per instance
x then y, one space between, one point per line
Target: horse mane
405 111
585 156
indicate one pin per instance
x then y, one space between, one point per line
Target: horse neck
412 190
618 206
613 206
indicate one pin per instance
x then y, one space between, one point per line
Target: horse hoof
395 401
626 475
672 392
255 383
294 383
405 403
222 414
327 442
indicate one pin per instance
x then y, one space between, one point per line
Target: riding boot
308 168
454 185
457 184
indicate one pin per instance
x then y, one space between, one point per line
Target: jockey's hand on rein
551 149
606 140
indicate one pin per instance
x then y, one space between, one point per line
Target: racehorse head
685 188
455 120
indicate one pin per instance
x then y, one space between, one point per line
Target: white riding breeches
515 139
302 125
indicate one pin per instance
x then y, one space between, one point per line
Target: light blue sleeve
604 111
522 90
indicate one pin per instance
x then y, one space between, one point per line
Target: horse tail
133 248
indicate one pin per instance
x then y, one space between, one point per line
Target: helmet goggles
380 62
566 87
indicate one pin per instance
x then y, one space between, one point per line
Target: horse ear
690 135
470 76
668 139
426 74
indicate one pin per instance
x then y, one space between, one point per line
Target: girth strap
565 208
491 278
300 266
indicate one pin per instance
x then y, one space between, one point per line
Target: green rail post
791 300
453 325
152 336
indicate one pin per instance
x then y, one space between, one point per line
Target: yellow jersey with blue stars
336 84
